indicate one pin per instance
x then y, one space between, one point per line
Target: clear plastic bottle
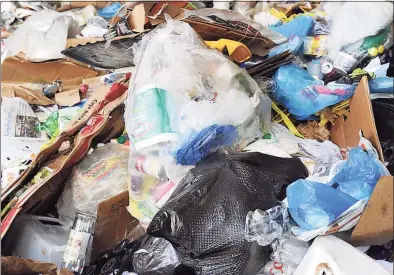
79 242
148 164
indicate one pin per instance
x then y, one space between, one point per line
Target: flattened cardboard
18 266
67 98
346 133
15 69
31 96
376 223
113 223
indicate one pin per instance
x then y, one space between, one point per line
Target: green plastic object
51 125
375 40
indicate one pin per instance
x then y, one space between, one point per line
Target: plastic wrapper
293 46
322 25
205 216
99 176
41 37
301 26
155 256
193 103
286 257
359 174
266 226
302 95
314 205
109 11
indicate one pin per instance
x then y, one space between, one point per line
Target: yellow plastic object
338 110
286 120
238 51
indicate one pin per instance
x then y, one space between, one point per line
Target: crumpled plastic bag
301 26
359 174
155 256
41 37
266 226
314 205
304 96
99 176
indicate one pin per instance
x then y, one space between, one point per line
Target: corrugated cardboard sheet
15 69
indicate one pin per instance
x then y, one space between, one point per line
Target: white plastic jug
30 238
331 256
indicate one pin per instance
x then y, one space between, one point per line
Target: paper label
77 245
153 112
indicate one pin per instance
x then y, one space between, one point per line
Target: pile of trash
197 138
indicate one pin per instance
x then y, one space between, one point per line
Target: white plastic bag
41 37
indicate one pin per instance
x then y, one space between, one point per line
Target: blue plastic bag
359 174
198 145
294 46
109 11
300 26
314 205
381 85
304 96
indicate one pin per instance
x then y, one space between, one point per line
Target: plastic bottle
79 242
148 164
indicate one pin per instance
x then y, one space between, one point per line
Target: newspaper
19 131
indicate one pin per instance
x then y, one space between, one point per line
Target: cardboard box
346 133
113 223
376 223
16 69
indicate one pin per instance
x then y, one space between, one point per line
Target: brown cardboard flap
31 96
376 223
15 69
346 133
113 223
67 98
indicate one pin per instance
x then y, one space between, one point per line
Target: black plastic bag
383 111
205 217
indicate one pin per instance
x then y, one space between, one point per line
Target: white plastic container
331 256
30 238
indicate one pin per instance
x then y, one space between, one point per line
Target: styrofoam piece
330 255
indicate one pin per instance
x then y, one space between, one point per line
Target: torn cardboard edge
16 69
22 91
14 265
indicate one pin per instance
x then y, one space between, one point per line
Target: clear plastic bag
181 88
266 226
302 95
99 176
314 205
359 174
41 37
